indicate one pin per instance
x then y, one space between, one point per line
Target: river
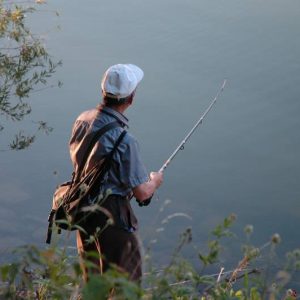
244 159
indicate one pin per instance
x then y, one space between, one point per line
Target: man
117 243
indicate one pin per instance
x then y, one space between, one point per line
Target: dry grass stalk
243 264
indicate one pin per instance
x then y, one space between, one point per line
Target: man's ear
130 99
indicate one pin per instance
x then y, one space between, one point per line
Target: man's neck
119 108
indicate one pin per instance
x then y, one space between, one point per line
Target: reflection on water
244 159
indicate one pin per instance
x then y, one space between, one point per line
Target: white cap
119 81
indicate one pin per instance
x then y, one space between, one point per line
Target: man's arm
146 190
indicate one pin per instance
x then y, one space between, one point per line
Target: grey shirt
127 170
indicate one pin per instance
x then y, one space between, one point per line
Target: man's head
119 83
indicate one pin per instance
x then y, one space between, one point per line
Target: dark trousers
113 246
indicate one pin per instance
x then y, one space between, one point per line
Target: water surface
245 157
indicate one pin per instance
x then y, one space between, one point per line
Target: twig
252 271
219 276
241 266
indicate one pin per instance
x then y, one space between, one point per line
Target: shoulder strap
117 143
105 164
94 140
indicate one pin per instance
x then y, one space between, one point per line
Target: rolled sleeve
132 169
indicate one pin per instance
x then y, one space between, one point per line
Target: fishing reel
145 202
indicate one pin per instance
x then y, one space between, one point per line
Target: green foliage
25 66
39 273
112 283
214 248
21 141
293 260
53 274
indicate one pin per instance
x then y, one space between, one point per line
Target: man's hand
145 190
157 178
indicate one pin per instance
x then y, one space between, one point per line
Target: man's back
127 169
117 243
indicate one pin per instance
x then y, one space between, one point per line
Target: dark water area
243 160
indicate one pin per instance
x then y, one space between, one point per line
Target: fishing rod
181 145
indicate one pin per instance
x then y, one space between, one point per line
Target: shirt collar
117 115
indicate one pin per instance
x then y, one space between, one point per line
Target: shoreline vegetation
258 274
42 273
26 68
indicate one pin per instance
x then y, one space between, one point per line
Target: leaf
4 272
21 141
97 288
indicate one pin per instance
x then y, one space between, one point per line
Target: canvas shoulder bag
71 199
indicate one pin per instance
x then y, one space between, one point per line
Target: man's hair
109 101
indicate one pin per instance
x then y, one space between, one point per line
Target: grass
52 273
